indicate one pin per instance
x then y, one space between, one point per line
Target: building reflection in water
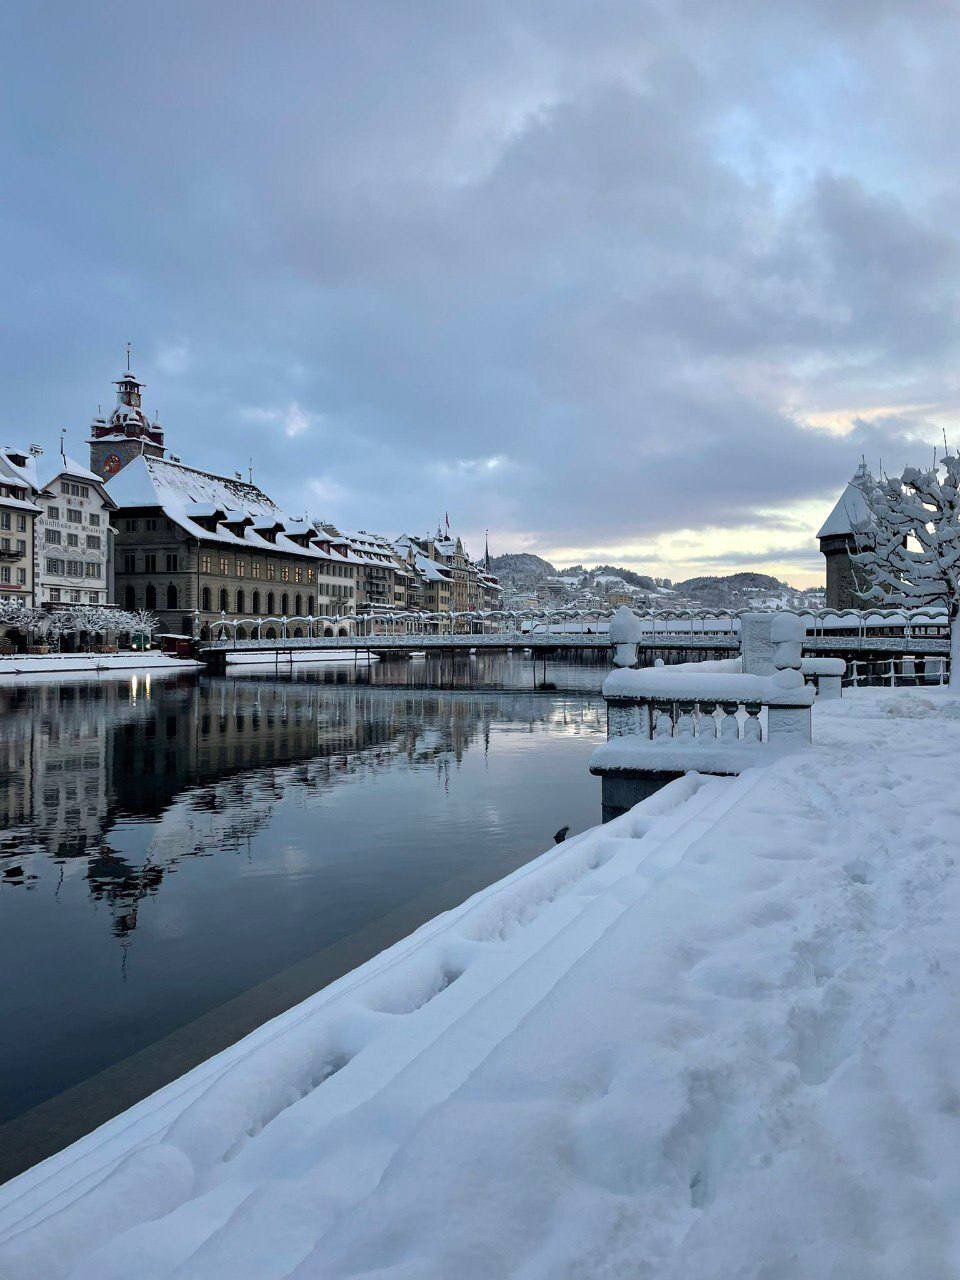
204 763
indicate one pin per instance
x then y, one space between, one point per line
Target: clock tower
127 433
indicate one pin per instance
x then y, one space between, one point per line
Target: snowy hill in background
732 589
526 573
522 567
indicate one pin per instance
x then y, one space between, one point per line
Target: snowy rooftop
715 1038
849 510
18 504
75 470
20 464
431 569
186 495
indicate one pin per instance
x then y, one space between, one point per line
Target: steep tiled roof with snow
21 464
431 570
187 496
850 510
70 467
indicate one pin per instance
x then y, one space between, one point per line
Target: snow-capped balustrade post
826 675
663 722
787 722
759 648
625 634
756 644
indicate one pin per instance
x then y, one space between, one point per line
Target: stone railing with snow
663 723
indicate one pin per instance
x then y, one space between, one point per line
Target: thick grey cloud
583 273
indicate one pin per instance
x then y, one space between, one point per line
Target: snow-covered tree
51 625
140 623
16 615
909 553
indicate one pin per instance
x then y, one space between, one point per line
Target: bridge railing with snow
652 626
663 722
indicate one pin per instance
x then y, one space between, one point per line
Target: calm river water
169 844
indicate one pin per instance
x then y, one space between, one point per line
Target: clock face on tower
111 464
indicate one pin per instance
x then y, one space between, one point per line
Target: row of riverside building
142 530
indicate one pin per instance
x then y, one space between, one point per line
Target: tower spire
128 431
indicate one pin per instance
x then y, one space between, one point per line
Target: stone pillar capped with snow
786 635
756 644
625 634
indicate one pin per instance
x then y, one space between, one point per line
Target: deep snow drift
718 1038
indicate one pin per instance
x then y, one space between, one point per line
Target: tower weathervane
128 357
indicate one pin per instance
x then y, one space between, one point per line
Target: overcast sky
624 282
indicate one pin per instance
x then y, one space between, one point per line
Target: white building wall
73 541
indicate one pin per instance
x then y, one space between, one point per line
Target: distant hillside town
143 530
531 582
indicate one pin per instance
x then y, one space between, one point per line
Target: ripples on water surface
167 844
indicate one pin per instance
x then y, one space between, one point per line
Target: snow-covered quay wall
48 667
717 1037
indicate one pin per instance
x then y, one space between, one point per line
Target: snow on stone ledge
634 753
662 682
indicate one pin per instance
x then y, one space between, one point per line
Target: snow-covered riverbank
49 666
716 1038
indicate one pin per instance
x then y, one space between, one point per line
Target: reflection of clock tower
127 433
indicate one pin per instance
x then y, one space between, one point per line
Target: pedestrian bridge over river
671 634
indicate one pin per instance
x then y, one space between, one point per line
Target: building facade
19 511
74 538
195 547
450 580
380 579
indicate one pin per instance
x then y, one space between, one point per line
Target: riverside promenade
48 667
714 1037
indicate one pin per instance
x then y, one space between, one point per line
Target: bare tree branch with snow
910 552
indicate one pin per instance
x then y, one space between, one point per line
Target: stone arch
172 597
129 596
328 631
241 601
284 604
205 601
224 600
271 605
150 596
256 603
